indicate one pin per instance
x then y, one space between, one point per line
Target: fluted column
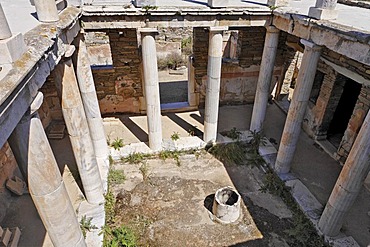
151 87
213 83
78 130
293 123
349 183
264 78
91 106
33 152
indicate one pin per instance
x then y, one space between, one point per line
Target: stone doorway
343 112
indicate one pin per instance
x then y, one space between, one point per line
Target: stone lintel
12 49
322 14
148 30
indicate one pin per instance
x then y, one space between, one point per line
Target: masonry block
12 49
142 3
322 14
5 238
218 3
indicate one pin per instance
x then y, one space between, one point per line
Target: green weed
86 226
117 144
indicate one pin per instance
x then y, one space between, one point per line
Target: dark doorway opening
343 112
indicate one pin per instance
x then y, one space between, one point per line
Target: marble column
46 10
349 183
151 87
78 130
324 10
292 128
213 83
4 26
33 152
91 106
264 78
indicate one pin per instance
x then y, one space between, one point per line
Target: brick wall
119 88
359 113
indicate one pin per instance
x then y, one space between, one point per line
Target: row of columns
357 165
85 128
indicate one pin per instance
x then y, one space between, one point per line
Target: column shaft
151 87
349 183
35 157
297 108
78 130
92 110
46 10
264 78
4 26
213 84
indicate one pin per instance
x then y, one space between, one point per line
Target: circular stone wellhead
226 205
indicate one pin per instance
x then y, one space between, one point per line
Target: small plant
144 169
256 141
175 136
192 131
186 45
119 237
116 176
109 206
230 153
117 143
171 61
134 158
166 154
86 226
147 8
111 160
234 134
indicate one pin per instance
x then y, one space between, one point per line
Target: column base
322 14
218 3
12 49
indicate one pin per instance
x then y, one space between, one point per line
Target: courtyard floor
183 189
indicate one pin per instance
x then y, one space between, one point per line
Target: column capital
218 29
147 30
310 45
34 106
272 29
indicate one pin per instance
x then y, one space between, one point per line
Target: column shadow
185 125
134 128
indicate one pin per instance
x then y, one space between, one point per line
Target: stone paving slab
175 200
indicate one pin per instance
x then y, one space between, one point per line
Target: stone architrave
264 78
293 123
213 83
151 87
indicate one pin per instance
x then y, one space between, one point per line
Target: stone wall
359 113
51 108
319 115
119 88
